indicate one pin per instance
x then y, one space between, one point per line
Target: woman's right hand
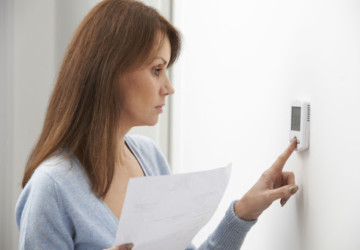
273 184
122 247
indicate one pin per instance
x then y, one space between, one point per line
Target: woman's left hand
122 247
273 184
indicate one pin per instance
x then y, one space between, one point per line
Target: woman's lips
160 107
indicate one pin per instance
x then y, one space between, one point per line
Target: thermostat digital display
300 124
295 118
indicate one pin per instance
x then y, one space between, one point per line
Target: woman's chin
152 122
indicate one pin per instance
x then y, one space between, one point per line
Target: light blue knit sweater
58 210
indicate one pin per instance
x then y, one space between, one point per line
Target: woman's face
143 90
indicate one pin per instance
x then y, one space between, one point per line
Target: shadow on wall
302 200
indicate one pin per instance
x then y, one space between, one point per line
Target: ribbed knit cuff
235 223
230 233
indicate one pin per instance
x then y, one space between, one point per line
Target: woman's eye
157 71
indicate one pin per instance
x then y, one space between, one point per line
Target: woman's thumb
129 246
122 247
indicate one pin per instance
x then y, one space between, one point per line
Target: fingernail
129 246
293 189
283 202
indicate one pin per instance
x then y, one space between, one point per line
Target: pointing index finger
281 160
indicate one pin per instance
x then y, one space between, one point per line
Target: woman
113 78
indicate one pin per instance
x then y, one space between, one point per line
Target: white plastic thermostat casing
300 124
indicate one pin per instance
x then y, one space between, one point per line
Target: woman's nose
167 88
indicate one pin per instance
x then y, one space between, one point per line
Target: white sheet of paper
166 212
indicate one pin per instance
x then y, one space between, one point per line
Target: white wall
242 64
33 74
34 35
6 120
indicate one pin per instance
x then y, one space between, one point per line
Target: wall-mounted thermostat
300 124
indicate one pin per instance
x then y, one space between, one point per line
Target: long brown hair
83 111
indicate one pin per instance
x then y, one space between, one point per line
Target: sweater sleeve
40 216
229 234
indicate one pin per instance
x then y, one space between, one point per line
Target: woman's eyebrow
159 57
